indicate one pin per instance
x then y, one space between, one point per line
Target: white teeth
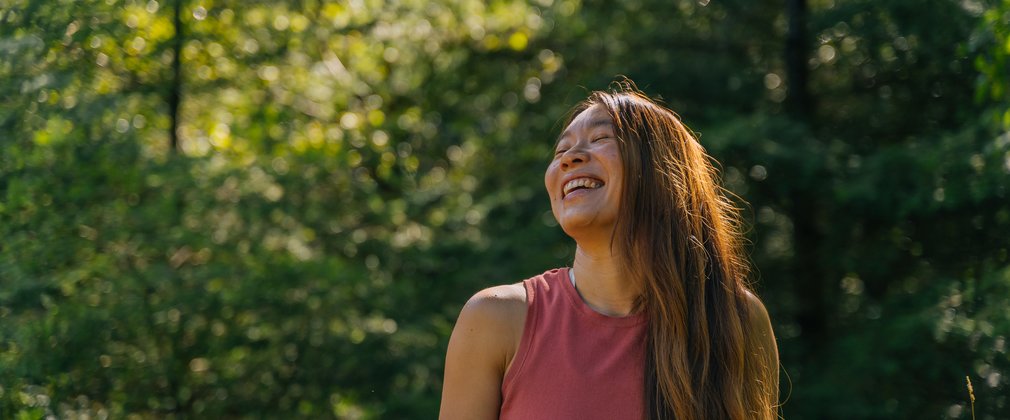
580 182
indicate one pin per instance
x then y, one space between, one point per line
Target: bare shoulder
494 318
763 352
759 327
481 348
497 302
496 314
756 309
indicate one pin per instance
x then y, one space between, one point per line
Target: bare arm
481 348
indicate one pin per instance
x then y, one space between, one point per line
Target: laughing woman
654 320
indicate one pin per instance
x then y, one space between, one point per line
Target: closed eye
600 138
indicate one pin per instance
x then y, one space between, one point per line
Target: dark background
277 208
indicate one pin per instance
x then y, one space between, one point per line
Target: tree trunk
175 90
798 98
812 282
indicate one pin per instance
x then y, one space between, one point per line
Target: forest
276 209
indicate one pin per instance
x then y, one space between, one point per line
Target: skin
490 325
588 147
481 349
763 342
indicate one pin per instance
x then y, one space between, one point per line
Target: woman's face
585 178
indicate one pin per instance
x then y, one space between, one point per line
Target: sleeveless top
573 362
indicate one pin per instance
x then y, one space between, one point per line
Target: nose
574 157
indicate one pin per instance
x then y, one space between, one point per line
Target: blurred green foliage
349 172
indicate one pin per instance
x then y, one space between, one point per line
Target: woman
654 319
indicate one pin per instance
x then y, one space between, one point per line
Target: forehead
593 117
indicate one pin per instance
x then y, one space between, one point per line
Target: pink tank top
573 362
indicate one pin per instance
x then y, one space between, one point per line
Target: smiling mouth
581 184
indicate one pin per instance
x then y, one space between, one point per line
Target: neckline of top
583 308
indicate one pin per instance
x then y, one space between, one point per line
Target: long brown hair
680 237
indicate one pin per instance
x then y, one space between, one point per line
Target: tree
349 172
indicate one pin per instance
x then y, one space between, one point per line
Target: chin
577 224
573 228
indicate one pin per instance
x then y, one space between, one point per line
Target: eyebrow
592 124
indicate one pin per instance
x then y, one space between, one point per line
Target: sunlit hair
680 238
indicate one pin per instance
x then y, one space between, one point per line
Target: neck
602 283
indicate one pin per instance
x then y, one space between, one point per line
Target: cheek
616 172
615 164
550 176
